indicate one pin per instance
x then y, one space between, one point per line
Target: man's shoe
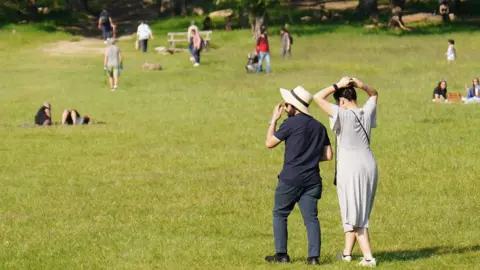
278 258
312 261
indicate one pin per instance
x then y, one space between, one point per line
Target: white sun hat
298 97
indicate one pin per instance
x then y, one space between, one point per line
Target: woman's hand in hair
344 82
359 84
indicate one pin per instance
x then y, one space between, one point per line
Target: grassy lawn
179 177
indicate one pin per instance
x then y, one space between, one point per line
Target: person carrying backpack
196 44
105 24
287 42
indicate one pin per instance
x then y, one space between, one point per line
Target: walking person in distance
306 144
113 64
144 33
356 169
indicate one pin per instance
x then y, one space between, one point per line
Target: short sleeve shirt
305 139
439 92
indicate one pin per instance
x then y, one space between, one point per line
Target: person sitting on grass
252 62
113 63
73 117
473 93
44 115
440 92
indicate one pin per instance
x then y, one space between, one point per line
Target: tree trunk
166 6
31 12
397 13
368 8
183 7
75 5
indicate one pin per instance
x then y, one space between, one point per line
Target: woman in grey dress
356 171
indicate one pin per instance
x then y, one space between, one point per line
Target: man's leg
110 76
267 61
285 198
308 204
104 32
143 45
260 60
116 76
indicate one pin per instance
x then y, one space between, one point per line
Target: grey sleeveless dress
357 172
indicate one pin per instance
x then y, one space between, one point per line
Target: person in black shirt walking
306 144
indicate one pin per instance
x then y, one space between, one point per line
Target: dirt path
83 46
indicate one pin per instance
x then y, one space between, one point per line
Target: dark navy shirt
305 139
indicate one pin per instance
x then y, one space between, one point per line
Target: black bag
291 39
336 145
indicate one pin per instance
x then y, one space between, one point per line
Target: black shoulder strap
366 134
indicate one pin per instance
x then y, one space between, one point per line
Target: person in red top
263 50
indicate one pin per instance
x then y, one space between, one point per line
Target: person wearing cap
306 144
356 173
44 115
263 50
112 63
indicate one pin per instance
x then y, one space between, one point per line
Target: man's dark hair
283 29
347 93
263 29
451 41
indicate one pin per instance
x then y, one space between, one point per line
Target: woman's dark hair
347 93
283 29
440 88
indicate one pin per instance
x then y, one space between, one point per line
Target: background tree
368 8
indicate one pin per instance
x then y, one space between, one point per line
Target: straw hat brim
290 99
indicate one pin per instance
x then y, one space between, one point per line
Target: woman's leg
363 239
349 243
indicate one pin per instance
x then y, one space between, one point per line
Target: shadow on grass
423 253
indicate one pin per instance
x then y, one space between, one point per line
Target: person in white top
143 35
451 52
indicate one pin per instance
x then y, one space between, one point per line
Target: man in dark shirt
105 24
44 115
306 144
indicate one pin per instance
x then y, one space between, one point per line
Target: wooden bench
177 37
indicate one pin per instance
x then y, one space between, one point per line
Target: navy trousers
286 196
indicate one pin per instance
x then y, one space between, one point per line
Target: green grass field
179 177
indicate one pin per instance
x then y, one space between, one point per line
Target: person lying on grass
73 117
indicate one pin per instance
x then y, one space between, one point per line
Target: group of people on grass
69 117
472 92
262 50
306 144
